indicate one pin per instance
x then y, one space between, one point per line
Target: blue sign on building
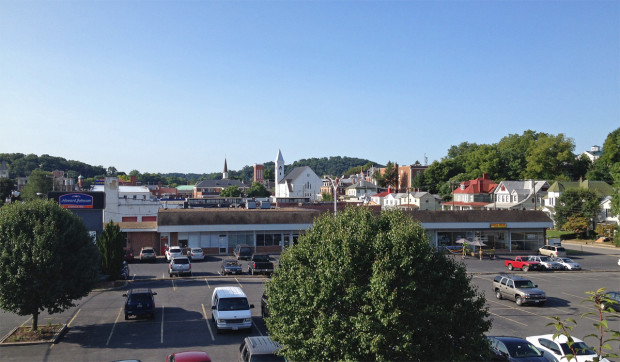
76 201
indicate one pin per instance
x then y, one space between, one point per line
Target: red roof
481 185
381 194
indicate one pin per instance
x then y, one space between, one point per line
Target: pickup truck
260 264
522 262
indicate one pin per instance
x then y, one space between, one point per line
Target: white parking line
162 324
114 325
512 320
204 312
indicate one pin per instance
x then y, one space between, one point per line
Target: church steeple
279 167
225 173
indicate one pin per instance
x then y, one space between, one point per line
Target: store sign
76 201
498 226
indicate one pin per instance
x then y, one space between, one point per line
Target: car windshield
522 349
233 304
261 257
581 349
175 250
545 258
196 250
560 249
524 284
180 261
567 260
231 263
245 250
147 251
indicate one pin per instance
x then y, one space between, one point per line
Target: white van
230 309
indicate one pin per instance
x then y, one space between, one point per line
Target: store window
268 239
526 240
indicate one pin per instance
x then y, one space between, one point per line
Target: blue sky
177 86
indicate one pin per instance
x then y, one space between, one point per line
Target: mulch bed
45 333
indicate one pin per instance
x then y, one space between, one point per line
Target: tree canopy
231 191
362 286
39 184
47 258
110 245
576 202
258 190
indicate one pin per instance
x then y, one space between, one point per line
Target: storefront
502 230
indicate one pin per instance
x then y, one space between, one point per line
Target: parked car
259 348
140 302
230 266
180 265
567 263
173 251
552 250
196 254
242 251
189 356
260 264
556 349
516 349
613 301
523 263
128 256
546 262
148 254
230 309
519 289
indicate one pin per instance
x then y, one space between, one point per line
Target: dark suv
242 251
140 302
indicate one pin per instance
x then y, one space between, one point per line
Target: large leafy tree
576 203
363 286
39 184
47 259
389 177
231 191
111 243
549 157
258 190
6 187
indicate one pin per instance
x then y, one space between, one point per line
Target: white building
301 182
420 200
519 195
361 188
127 203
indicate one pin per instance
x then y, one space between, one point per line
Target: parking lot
98 332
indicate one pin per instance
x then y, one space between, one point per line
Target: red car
128 256
189 356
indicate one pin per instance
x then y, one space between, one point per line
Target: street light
335 186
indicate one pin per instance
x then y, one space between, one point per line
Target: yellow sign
498 226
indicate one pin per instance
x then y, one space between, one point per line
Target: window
264 239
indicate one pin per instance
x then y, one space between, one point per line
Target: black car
515 349
140 302
612 299
242 251
230 266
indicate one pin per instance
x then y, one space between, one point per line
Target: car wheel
526 268
498 294
519 301
510 267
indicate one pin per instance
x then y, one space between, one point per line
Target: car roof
509 339
229 292
262 345
180 257
175 247
147 248
513 276
192 356
559 339
140 290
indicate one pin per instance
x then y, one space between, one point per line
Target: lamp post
335 187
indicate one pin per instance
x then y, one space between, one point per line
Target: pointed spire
225 173
279 158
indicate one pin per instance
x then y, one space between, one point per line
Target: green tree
110 244
365 286
39 184
231 191
326 196
548 157
258 190
47 259
6 187
576 202
390 176
577 224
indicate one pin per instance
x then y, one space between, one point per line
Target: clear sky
177 86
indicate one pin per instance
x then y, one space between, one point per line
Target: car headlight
526 295
247 320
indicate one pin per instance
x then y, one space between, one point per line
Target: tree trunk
35 321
